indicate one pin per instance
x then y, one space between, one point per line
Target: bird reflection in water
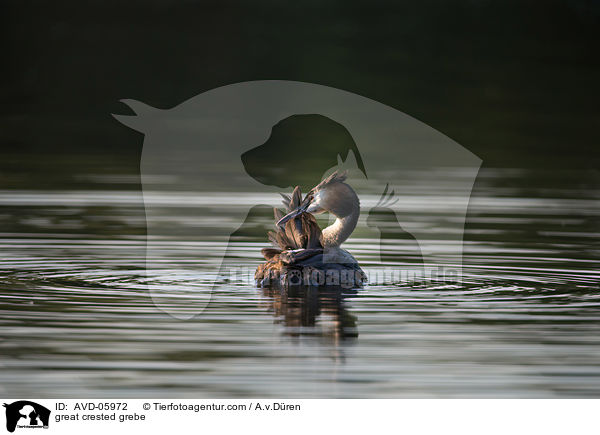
313 311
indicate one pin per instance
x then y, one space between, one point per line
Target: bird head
331 195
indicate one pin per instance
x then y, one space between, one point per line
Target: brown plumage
298 255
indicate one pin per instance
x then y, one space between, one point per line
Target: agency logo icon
24 414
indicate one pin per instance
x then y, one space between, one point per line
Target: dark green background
516 82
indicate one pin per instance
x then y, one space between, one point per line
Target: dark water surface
76 318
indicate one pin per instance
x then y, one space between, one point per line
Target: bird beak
291 215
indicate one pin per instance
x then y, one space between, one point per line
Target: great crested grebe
305 255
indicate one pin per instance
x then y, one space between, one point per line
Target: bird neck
337 233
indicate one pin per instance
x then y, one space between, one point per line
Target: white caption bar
268 416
